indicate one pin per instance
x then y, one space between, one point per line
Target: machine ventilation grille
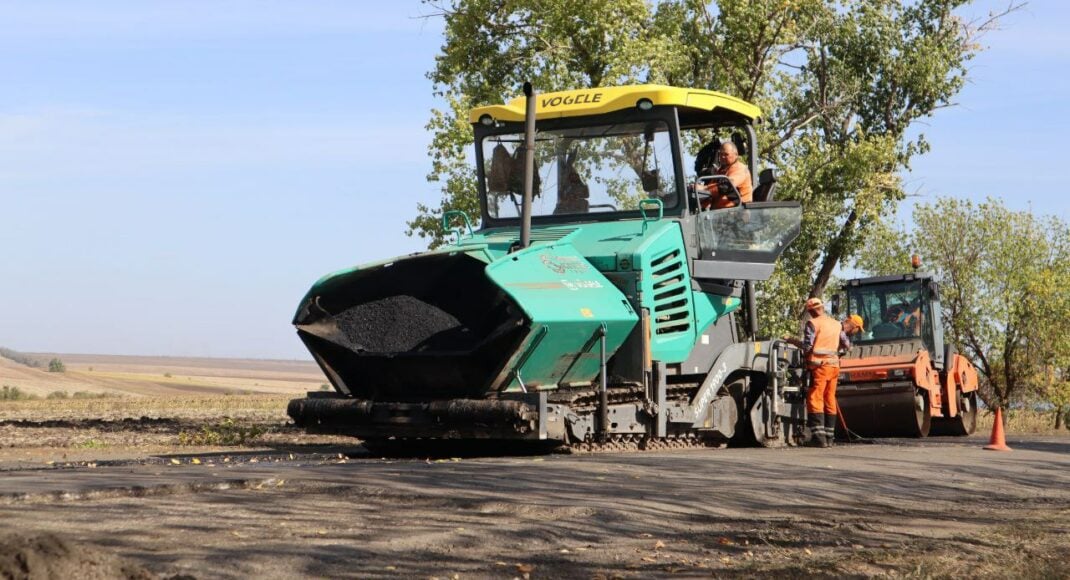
540 235
672 300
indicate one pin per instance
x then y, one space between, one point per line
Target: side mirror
836 304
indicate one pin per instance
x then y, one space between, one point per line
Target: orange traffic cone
997 442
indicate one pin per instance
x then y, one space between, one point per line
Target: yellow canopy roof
608 99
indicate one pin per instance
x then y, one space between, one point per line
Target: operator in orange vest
823 339
910 319
730 166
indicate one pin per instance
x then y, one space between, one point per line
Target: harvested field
147 405
135 376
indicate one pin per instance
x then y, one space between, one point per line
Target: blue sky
174 175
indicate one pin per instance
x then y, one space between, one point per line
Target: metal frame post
603 391
529 165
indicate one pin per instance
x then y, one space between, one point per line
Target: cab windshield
582 170
889 311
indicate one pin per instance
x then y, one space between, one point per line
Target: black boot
830 428
816 423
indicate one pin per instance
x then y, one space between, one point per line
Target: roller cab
900 379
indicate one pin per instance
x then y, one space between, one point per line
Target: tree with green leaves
56 366
1004 277
840 84
1047 342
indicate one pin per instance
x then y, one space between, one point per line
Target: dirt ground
296 505
155 483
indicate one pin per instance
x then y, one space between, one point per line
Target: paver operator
823 339
732 167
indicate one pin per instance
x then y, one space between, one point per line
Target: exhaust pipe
529 165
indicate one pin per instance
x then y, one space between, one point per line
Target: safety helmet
814 303
857 320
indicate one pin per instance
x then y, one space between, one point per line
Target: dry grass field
1023 422
138 376
130 407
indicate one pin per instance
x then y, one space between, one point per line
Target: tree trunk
832 257
1059 412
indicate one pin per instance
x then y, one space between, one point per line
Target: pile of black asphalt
402 323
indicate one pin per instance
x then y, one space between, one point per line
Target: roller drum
888 410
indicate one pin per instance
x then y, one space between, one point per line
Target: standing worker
823 338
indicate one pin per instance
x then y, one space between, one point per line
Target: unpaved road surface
937 508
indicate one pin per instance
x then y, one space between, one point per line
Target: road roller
901 378
597 303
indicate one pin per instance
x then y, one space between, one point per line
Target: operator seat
741 144
766 186
706 158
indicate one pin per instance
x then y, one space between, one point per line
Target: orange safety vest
736 172
826 341
912 322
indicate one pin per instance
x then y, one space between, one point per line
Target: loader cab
896 309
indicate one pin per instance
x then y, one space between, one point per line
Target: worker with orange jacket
823 339
910 319
736 171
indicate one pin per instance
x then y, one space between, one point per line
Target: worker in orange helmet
823 339
853 327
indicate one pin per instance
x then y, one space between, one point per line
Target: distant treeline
20 358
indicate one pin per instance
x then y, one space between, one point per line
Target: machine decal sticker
715 386
562 264
581 284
